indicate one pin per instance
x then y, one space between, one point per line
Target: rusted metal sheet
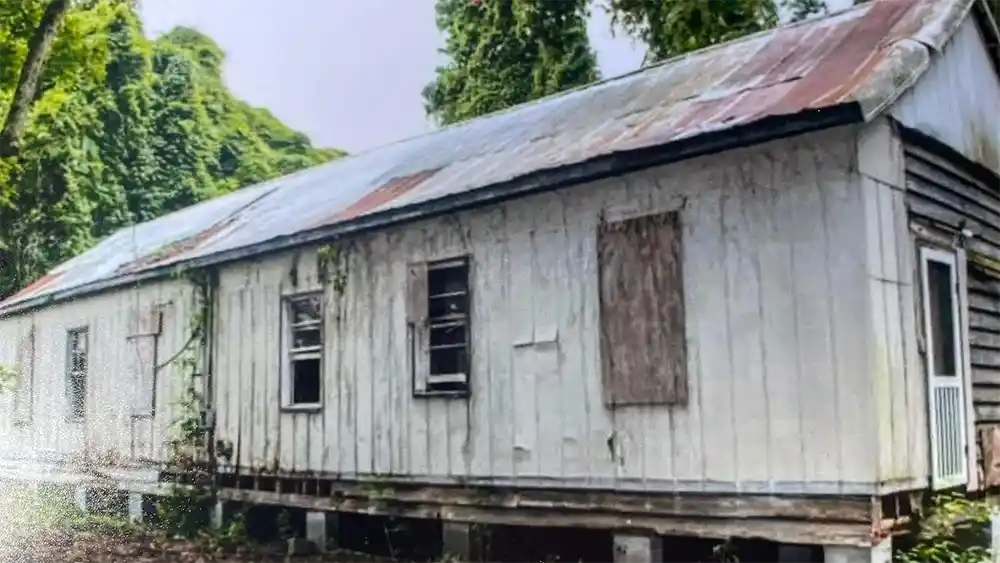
852 56
383 194
36 287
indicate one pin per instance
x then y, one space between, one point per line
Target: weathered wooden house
753 291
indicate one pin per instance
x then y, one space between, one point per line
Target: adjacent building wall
34 424
956 100
909 190
776 298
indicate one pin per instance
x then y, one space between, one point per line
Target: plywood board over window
142 342
643 344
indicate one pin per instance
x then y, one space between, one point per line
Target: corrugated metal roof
869 54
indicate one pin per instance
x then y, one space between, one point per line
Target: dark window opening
305 351
306 381
942 317
448 323
76 377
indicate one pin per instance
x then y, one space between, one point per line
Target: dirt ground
69 546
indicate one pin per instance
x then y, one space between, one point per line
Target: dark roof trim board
767 129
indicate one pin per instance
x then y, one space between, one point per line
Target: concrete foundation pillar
81 496
461 541
881 553
638 548
136 507
222 513
322 529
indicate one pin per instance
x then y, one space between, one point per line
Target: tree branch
31 72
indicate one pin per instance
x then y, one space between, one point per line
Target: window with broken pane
76 373
304 316
448 325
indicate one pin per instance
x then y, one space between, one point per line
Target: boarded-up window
143 347
438 316
643 347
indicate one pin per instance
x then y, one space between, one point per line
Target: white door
946 388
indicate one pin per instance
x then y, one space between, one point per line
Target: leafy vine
331 265
8 379
955 529
186 511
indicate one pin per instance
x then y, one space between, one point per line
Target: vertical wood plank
494 319
845 248
785 383
380 374
418 431
576 417
353 346
522 307
744 219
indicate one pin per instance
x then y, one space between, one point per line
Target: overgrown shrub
955 530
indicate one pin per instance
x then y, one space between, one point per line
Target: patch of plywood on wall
643 351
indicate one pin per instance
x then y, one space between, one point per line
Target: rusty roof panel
852 56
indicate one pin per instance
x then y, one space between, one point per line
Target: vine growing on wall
331 266
187 510
8 379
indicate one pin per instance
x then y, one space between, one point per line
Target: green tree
117 129
803 9
675 27
29 78
507 52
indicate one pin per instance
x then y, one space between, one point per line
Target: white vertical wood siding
782 396
108 435
895 362
956 100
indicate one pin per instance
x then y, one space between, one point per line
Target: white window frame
84 332
289 355
958 381
461 378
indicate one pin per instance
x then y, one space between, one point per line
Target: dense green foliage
802 9
675 27
506 52
124 129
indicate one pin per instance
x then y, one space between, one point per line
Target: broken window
304 366
439 322
76 376
643 343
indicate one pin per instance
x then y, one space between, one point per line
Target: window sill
457 394
307 408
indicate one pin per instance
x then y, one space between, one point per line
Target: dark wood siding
945 195
643 344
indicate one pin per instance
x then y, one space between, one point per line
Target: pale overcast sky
347 72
